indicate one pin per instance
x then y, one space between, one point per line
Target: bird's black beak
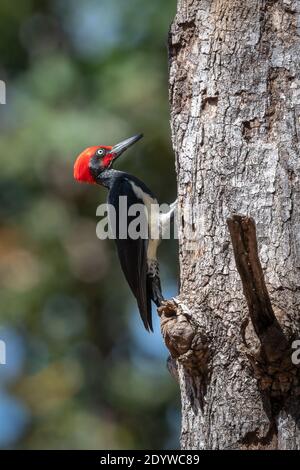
118 149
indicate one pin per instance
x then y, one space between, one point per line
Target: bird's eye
100 152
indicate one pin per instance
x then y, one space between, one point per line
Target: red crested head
84 161
94 160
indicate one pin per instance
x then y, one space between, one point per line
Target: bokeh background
81 372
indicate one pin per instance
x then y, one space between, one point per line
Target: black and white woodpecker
137 255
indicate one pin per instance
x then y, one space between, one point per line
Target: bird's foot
168 308
166 219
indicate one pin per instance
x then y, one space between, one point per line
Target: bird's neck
107 177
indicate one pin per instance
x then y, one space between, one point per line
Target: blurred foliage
81 372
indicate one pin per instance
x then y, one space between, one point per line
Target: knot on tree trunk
186 343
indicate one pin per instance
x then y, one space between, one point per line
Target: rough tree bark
235 101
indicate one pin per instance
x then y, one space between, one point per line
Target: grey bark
235 101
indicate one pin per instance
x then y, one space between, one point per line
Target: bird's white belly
152 249
152 207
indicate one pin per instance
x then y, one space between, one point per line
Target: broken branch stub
243 236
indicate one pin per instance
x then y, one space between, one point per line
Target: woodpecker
137 256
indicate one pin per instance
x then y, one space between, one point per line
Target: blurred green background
81 372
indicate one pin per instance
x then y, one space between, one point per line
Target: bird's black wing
132 253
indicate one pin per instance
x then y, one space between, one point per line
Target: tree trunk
235 101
